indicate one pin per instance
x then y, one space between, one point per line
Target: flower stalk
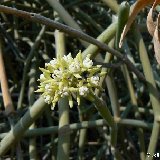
63 150
106 114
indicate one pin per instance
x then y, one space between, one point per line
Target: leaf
156 41
150 23
123 15
137 7
153 28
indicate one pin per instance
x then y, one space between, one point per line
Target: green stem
137 113
65 16
153 92
83 125
112 90
27 65
63 106
23 124
104 37
86 18
153 140
112 4
63 139
122 19
102 108
31 97
106 114
83 132
123 14
48 115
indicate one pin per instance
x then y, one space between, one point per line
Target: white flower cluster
66 76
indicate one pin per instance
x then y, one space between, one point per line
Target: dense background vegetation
26 45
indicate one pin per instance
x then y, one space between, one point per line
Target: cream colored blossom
42 76
83 90
47 99
68 76
87 62
68 58
74 67
95 80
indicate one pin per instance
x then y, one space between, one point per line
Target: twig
109 65
104 37
153 92
9 109
12 44
65 16
112 4
8 104
31 99
27 65
63 149
50 23
83 125
23 124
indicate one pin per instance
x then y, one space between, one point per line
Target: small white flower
68 58
53 76
64 92
48 87
83 91
47 64
87 62
53 62
48 99
42 76
74 67
95 80
58 73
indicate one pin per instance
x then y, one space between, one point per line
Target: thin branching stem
153 92
85 124
27 65
23 124
63 106
72 32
